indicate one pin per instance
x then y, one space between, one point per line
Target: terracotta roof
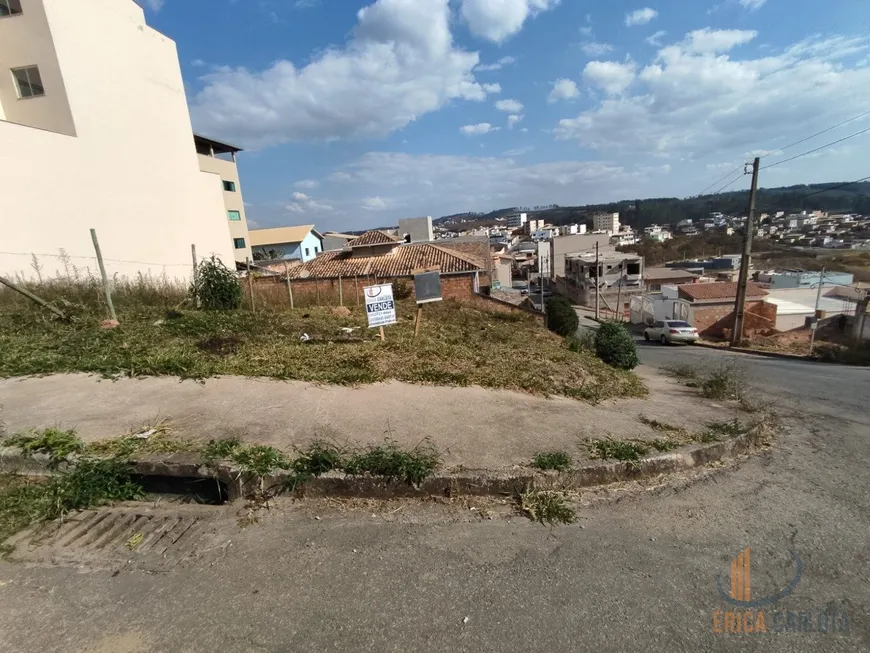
668 273
278 235
475 251
374 237
401 261
705 291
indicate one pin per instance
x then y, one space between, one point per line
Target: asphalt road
639 574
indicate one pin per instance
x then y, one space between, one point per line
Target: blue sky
356 113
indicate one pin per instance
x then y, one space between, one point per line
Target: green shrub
402 289
615 346
561 316
217 287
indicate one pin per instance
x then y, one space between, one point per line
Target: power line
725 176
845 138
824 131
825 190
742 174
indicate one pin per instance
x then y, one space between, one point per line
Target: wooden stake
250 284
340 292
289 287
419 320
33 297
381 333
195 275
316 292
106 288
356 288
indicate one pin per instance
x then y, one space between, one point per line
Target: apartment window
28 81
10 7
239 243
307 251
235 216
230 186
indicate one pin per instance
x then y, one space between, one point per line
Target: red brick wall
487 303
717 320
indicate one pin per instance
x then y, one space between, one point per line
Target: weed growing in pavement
684 371
57 443
662 427
546 507
260 460
716 431
610 449
89 484
159 441
552 460
318 458
221 449
663 444
389 461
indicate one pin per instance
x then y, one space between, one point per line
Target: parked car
670 331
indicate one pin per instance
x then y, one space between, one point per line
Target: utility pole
815 324
743 279
597 281
541 277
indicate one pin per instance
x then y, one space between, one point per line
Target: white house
303 242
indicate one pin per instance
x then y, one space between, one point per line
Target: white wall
132 170
227 171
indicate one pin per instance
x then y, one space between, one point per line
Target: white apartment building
606 222
95 133
220 159
517 220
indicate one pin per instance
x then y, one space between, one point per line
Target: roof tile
374 237
716 290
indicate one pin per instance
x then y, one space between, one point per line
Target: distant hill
669 210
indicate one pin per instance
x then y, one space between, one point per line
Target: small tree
615 346
561 316
217 287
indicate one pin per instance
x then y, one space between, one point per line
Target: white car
670 331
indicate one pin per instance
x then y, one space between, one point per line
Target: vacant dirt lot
474 427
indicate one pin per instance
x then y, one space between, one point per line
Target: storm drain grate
163 538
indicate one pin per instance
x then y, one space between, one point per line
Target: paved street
631 575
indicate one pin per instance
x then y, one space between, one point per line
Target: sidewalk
475 427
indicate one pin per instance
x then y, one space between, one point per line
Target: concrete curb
465 482
759 352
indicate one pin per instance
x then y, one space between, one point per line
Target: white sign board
380 307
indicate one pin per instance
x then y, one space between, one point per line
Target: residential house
578 244
795 307
95 132
219 158
378 257
303 242
655 278
804 279
709 307
334 240
616 277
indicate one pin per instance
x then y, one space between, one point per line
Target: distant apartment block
220 159
517 220
606 222
416 230
95 133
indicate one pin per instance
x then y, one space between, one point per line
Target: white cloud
307 184
525 130
656 39
399 64
563 89
492 88
197 63
373 204
752 5
498 65
518 151
610 76
585 30
306 4
692 99
595 49
513 120
509 106
478 129
153 5
303 203
497 20
640 16
710 40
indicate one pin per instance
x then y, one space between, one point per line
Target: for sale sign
380 307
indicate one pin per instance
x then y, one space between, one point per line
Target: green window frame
235 216
239 243
230 186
